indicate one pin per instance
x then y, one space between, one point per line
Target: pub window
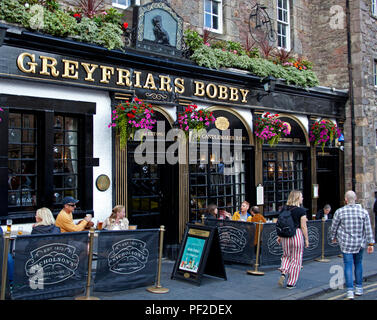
282 173
66 137
26 165
213 16
48 154
22 161
208 184
283 24
374 8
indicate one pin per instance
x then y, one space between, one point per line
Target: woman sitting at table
117 219
45 222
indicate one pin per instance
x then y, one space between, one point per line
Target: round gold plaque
186 275
103 182
222 123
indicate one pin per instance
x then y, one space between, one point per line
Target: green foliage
192 39
59 23
110 36
218 58
14 12
87 30
105 31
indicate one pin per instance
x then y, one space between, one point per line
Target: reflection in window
213 15
282 173
65 150
22 160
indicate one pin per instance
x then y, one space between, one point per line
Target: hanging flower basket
322 132
127 117
193 119
269 128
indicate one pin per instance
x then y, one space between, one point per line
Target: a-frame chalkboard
200 254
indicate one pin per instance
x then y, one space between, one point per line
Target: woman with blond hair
117 219
293 247
45 222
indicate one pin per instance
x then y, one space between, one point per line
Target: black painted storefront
185 79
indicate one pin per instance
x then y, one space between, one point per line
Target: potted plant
194 119
269 128
322 132
127 117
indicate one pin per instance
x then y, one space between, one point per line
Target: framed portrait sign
200 254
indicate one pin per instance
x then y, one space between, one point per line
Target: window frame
375 72
374 8
45 109
284 23
283 171
219 15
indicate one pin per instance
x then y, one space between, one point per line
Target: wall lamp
3 31
268 86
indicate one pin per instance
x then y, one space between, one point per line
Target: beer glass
20 231
99 225
9 225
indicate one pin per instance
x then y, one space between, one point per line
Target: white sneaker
359 291
350 295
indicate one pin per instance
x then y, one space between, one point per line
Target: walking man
352 229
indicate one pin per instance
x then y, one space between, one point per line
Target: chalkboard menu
200 254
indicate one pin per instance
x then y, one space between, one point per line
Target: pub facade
58 96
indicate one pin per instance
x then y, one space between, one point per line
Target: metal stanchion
203 218
5 265
90 259
256 272
158 288
323 259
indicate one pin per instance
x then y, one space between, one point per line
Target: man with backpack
292 234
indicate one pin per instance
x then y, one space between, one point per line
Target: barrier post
256 272
203 218
158 288
5 265
322 259
90 259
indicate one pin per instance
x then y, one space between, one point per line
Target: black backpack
285 226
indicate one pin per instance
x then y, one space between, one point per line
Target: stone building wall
364 53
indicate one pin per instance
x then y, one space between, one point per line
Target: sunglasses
71 204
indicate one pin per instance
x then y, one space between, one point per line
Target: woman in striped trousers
293 247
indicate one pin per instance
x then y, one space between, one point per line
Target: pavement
316 278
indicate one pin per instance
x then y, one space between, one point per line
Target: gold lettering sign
103 74
199 233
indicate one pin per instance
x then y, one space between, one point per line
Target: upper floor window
374 8
375 72
283 26
213 15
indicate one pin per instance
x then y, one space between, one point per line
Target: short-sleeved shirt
297 213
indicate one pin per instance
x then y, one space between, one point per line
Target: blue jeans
356 259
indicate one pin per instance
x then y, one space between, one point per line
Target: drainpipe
350 90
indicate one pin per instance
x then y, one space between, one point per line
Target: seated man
243 214
64 220
324 213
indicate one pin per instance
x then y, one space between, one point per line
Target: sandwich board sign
200 253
